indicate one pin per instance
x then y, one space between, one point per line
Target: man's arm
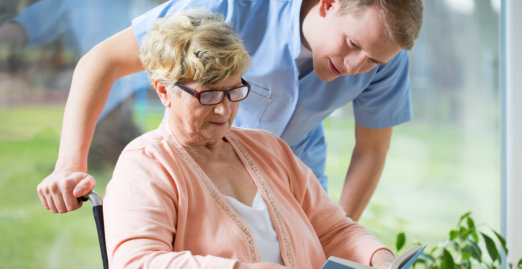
368 158
92 81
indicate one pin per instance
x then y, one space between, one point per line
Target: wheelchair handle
91 196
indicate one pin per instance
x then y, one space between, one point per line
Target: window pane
40 44
446 161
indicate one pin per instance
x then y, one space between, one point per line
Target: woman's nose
224 107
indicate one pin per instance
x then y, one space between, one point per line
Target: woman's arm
338 234
92 81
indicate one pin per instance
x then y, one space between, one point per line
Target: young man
308 59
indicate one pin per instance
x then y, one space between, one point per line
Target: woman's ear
163 92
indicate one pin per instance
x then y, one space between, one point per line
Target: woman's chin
216 134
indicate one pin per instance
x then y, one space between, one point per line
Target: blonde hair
193 45
402 18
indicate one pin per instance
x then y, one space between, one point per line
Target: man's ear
325 6
163 92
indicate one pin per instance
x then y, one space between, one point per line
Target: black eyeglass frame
197 95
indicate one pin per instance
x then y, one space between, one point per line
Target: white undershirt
259 222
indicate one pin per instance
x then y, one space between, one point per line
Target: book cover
404 261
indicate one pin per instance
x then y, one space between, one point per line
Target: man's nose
355 61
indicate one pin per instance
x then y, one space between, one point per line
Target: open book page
403 262
407 259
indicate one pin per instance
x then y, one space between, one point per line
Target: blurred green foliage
465 248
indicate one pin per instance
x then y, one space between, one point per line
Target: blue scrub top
281 102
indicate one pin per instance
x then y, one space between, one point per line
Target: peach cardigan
162 211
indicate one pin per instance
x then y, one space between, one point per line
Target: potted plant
465 248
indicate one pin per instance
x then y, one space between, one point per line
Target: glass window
40 44
441 164
446 161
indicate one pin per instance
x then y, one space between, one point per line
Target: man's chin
326 77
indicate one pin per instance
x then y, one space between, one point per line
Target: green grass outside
31 236
432 176
428 182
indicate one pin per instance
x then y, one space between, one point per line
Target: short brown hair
402 18
193 45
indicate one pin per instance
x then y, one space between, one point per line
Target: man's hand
59 191
382 259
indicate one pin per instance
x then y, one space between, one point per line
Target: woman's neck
193 143
209 149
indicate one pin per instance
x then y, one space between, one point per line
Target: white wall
512 137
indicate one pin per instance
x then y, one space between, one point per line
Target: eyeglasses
214 97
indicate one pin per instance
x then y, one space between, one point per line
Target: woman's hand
382 259
261 265
59 190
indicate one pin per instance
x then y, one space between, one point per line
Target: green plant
465 248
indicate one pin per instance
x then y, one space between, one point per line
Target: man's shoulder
398 64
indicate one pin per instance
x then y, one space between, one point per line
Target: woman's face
196 124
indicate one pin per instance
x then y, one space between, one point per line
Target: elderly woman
197 192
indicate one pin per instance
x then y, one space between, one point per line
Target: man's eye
354 45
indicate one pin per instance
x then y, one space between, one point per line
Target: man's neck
307 7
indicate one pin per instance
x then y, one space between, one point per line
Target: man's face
349 44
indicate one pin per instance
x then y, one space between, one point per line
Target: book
402 262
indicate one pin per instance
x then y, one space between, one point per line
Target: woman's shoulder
147 142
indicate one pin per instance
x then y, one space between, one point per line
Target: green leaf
401 240
466 255
420 259
490 246
519 264
463 233
464 264
455 245
471 224
447 260
475 236
476 253
427 257
426 260
466 252
502 242
433 250
453 234
466 215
